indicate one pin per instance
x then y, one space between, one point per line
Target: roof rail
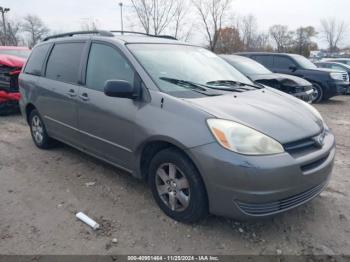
145 34
70 34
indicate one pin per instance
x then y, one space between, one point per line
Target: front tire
177 186
38 131
318 95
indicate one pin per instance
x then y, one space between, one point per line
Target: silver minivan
205 138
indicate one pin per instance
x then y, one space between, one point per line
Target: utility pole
3 11
121 17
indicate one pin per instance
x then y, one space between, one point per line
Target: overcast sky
65 15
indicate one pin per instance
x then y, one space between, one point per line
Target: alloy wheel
315 94
173 187
37 130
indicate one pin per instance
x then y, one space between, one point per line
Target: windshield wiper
230 83
184 83
199 87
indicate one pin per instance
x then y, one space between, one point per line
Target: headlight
242 139
337 76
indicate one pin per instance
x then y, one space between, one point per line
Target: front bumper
306 96
244 187
336 88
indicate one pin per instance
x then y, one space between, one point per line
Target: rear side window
265 60
64 62
283 62
36 60
106 63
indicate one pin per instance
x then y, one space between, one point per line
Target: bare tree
181 10
303 40
333 32
12 33
155 15
35 27
212 14
282 37
261 42
143 9
248 29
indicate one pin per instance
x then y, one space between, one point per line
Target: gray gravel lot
40 191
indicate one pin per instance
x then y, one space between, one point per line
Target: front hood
12 61
269 111
326 70
287 80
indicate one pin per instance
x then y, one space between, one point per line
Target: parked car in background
204 136
336 66
12 59
327 83
256 72
345 61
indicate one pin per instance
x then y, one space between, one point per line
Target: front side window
169 65
64 62
282 62
106 63
36 60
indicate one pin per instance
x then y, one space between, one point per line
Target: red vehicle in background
12 59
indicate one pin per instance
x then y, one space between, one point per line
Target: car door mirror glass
119 88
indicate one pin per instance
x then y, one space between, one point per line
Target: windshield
185 63
24 53
248 66
304 62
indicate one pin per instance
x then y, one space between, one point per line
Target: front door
106 124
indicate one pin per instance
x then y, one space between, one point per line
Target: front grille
346 77
263 209
300 145
310 143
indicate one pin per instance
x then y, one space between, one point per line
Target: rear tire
38 131
318 95
177 186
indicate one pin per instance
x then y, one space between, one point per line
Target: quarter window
106 63
64 62
36 60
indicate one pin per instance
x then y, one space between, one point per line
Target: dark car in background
289 84
12 59
337 66
345 61
327 83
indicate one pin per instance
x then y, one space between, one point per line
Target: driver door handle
84 97
71 93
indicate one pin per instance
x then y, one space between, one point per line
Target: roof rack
145 34
70 34
105 33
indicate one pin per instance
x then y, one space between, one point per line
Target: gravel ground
42 190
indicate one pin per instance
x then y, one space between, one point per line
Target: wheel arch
28 109
147 150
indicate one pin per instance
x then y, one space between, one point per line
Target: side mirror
293 68
120 88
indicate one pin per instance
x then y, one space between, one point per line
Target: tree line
224 32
